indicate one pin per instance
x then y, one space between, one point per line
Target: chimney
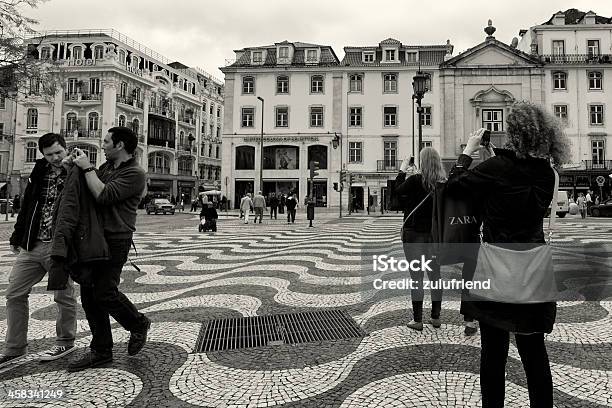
559 18
589 18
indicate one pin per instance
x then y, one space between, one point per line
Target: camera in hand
485 140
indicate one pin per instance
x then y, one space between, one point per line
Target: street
187 278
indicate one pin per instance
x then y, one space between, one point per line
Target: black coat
514 194
28 221
411 193
78 237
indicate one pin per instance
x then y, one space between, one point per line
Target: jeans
290 216
493 356
273 212
417 244
103 298
30 268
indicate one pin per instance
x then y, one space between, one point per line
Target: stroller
208 219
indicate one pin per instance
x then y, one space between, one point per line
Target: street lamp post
261 146
419 85
337 141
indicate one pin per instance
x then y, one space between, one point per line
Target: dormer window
311 56
368 57
390 55
45 53
283 52
411 56
257 57
99 52
77 53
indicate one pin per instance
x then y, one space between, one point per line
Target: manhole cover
272 330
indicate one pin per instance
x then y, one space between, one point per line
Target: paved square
188 277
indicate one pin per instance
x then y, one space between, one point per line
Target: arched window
99 52
182 138
77 52
245 158
136 126
121 121
122 56
89 150
93 121
71 122
217 152
159 163
32 118
185 166
31 148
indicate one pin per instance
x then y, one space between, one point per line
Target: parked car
603 209
562 206
160 206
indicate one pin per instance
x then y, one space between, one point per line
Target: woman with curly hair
515 186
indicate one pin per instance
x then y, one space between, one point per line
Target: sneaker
138 337
5 360
470 328
415 325
90 360
435 322
57 352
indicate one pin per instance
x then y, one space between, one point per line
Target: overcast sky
204 33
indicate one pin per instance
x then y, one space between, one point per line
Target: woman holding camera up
515 186
415 189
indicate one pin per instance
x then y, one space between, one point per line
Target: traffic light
314 166
336 186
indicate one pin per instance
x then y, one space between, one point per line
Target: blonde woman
417 191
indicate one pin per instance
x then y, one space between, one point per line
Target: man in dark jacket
291 204
273 203
210 216
31 240
117 187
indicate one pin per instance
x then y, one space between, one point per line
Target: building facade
110 80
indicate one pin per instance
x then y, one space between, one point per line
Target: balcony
162 111
576 59
598 164
187 120
159 170
81 133
388 165
80 97
161 142
129 100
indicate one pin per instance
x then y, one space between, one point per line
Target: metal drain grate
272 330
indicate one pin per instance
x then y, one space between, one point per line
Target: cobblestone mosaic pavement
246 270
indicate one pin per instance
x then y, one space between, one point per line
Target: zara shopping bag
517 276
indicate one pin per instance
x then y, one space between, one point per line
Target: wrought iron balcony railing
598 164
576 58
388 165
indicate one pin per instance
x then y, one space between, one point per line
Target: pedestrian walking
582 206
246 205
516 186
281 204
259 204
589 202
117 187
31 241
194 205
292 204
273 203
208 218
416 193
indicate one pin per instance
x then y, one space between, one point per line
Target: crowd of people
275 204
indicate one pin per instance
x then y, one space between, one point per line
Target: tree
21 71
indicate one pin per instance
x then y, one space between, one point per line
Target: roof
353 58
486 43
575 16
328 56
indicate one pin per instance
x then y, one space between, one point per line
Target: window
212 108
390 153
598 152
210 150
355 152
159 163
316 84
282 84
34 86
560 112
181 138
136 126
368 57
123 89
283 52
245 158
389 55
45 53
77 53
411 56
218 132
248 117
185 166
94 86
2 130
32 118
71 122
558 47
98 52
559 80
595 80
217 152
493 120
218 112
121 121
136 94
316 116
390 81
122 56
355 116
426 116
257 56
31 148
72 86
355 82
282 117
426 143
93 121
390 115
592 47
2 102
596 114
248 86
311 56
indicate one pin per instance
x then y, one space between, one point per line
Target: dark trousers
273 212
290 215
415 245
493 356
467 274
102 298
